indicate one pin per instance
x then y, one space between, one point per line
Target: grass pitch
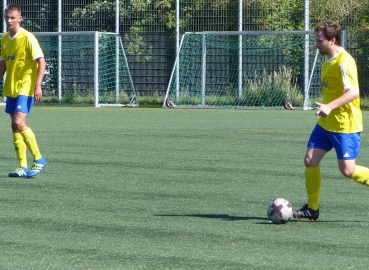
175 189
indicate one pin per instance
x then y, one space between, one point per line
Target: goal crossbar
106 59
225 68
252 33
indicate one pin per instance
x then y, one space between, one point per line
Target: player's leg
21 154
313 176
313 181
347 150
29 137
25 137
359 174
38 161
30 140
18 120
318 145
19 144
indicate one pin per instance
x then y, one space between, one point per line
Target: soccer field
175 189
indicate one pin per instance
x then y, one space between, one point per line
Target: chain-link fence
149 28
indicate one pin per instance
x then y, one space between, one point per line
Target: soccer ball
279 211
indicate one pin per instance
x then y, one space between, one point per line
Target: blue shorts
347 145
20 104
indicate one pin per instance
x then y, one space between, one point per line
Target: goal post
245 69
86 67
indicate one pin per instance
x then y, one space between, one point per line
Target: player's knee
347 172
306 161
347 167
309 162
17 126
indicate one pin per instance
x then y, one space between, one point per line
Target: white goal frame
119 46
175 72
310 84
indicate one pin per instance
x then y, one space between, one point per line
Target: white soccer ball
280 211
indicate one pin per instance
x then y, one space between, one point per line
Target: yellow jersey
19 53
338 75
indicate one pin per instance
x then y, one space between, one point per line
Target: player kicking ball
23 61
340 122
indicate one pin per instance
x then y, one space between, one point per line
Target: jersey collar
334 56
16 34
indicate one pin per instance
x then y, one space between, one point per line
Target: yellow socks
313 180
20 149
361 175
30 141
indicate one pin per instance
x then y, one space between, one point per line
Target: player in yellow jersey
340 122
23 61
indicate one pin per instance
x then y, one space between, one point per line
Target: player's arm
350 89
325 109
2 68
40 76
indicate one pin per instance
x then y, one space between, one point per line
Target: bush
272 89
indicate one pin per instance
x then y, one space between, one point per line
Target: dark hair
330 30
13 7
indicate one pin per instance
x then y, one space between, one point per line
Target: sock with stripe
313 181
30 140
20 149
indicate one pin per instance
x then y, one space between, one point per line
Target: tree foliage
136 17
140 18
144 16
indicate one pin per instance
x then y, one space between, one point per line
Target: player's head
13 16
330 30
13 8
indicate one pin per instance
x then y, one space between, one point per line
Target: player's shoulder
5 36
30 37
345 56
25 33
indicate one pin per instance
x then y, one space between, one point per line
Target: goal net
245 69
86 67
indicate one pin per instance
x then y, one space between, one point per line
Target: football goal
86 67
250 69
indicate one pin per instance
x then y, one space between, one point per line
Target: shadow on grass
225 217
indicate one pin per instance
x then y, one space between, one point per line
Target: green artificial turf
175 189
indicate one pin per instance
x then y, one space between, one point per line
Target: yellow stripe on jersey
338 75
19 53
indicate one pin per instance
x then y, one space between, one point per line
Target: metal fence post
306 105
117 11
60 46
203 71
96 69
240 28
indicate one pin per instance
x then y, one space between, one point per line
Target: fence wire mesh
148 28
258 70
78 69
71 62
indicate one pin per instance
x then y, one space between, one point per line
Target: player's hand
38 93
324 109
